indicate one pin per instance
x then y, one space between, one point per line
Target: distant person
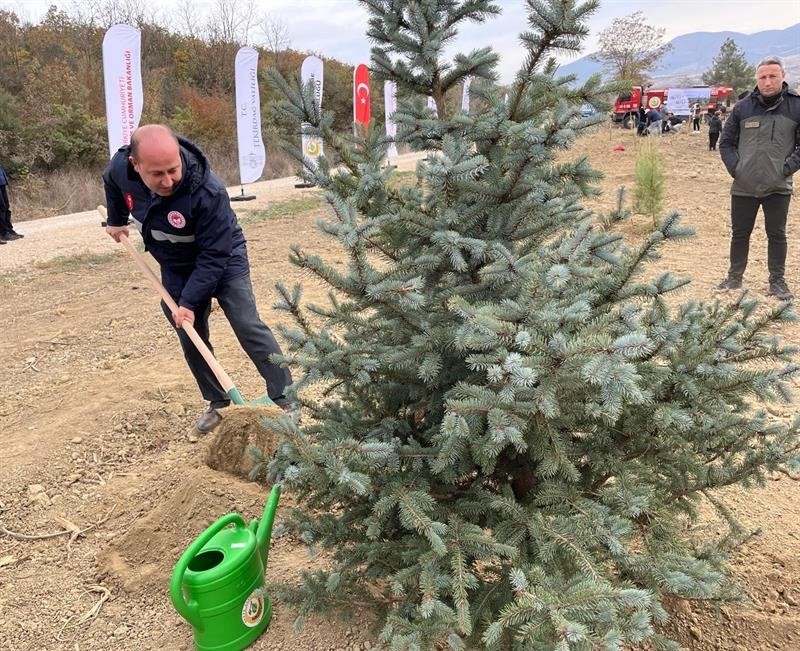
670 123
7 232
641 123
696 115
185 217
654 122
711 108
714 128
760 147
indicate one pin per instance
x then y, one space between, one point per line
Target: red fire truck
627 105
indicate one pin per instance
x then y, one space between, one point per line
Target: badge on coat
129 201
176 219
752 124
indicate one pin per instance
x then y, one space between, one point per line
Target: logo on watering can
253 609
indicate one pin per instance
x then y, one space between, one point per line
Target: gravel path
80 233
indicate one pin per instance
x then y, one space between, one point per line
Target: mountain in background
693 53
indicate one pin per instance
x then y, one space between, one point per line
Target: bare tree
186 18
630 48
231 21
111 12
275 36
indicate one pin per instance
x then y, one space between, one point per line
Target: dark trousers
712 141
695 124
743 218
236 299
5 211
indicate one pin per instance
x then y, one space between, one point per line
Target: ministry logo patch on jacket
176 219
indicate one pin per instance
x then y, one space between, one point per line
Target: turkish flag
361 101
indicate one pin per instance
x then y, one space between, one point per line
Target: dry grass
402 180
225 164
284 209
58 193
77 262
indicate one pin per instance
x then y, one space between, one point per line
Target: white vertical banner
252 155
390 106
311 70
465 94
122 73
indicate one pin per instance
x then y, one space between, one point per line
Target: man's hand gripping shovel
223 378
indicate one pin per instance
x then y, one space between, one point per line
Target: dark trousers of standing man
712 141
743 218
695 124
5 211
236 299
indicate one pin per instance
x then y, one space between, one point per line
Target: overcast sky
336 28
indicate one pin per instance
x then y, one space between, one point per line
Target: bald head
156 157
152 135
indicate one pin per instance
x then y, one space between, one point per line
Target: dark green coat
760 144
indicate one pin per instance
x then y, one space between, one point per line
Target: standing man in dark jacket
7 232
760 147
714 128
183 213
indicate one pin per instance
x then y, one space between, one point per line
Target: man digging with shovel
183 213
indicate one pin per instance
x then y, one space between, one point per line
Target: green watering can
218 583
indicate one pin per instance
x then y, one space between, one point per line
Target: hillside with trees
53 138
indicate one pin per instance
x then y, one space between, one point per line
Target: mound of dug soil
242 427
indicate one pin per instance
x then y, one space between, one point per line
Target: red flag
361 100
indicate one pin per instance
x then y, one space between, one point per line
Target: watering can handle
189 610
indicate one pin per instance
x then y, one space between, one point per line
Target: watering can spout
264 531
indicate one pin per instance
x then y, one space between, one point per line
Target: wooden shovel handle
219 372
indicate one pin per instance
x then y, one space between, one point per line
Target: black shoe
730 283
291 409
780 290
13 235
208 421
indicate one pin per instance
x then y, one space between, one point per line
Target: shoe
780 290
13 235
208 421
730 283
291 409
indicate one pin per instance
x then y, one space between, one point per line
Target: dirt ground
96 430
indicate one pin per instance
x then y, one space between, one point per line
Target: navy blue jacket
653 116
193 233
3 177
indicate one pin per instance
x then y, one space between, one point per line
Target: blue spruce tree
509 423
